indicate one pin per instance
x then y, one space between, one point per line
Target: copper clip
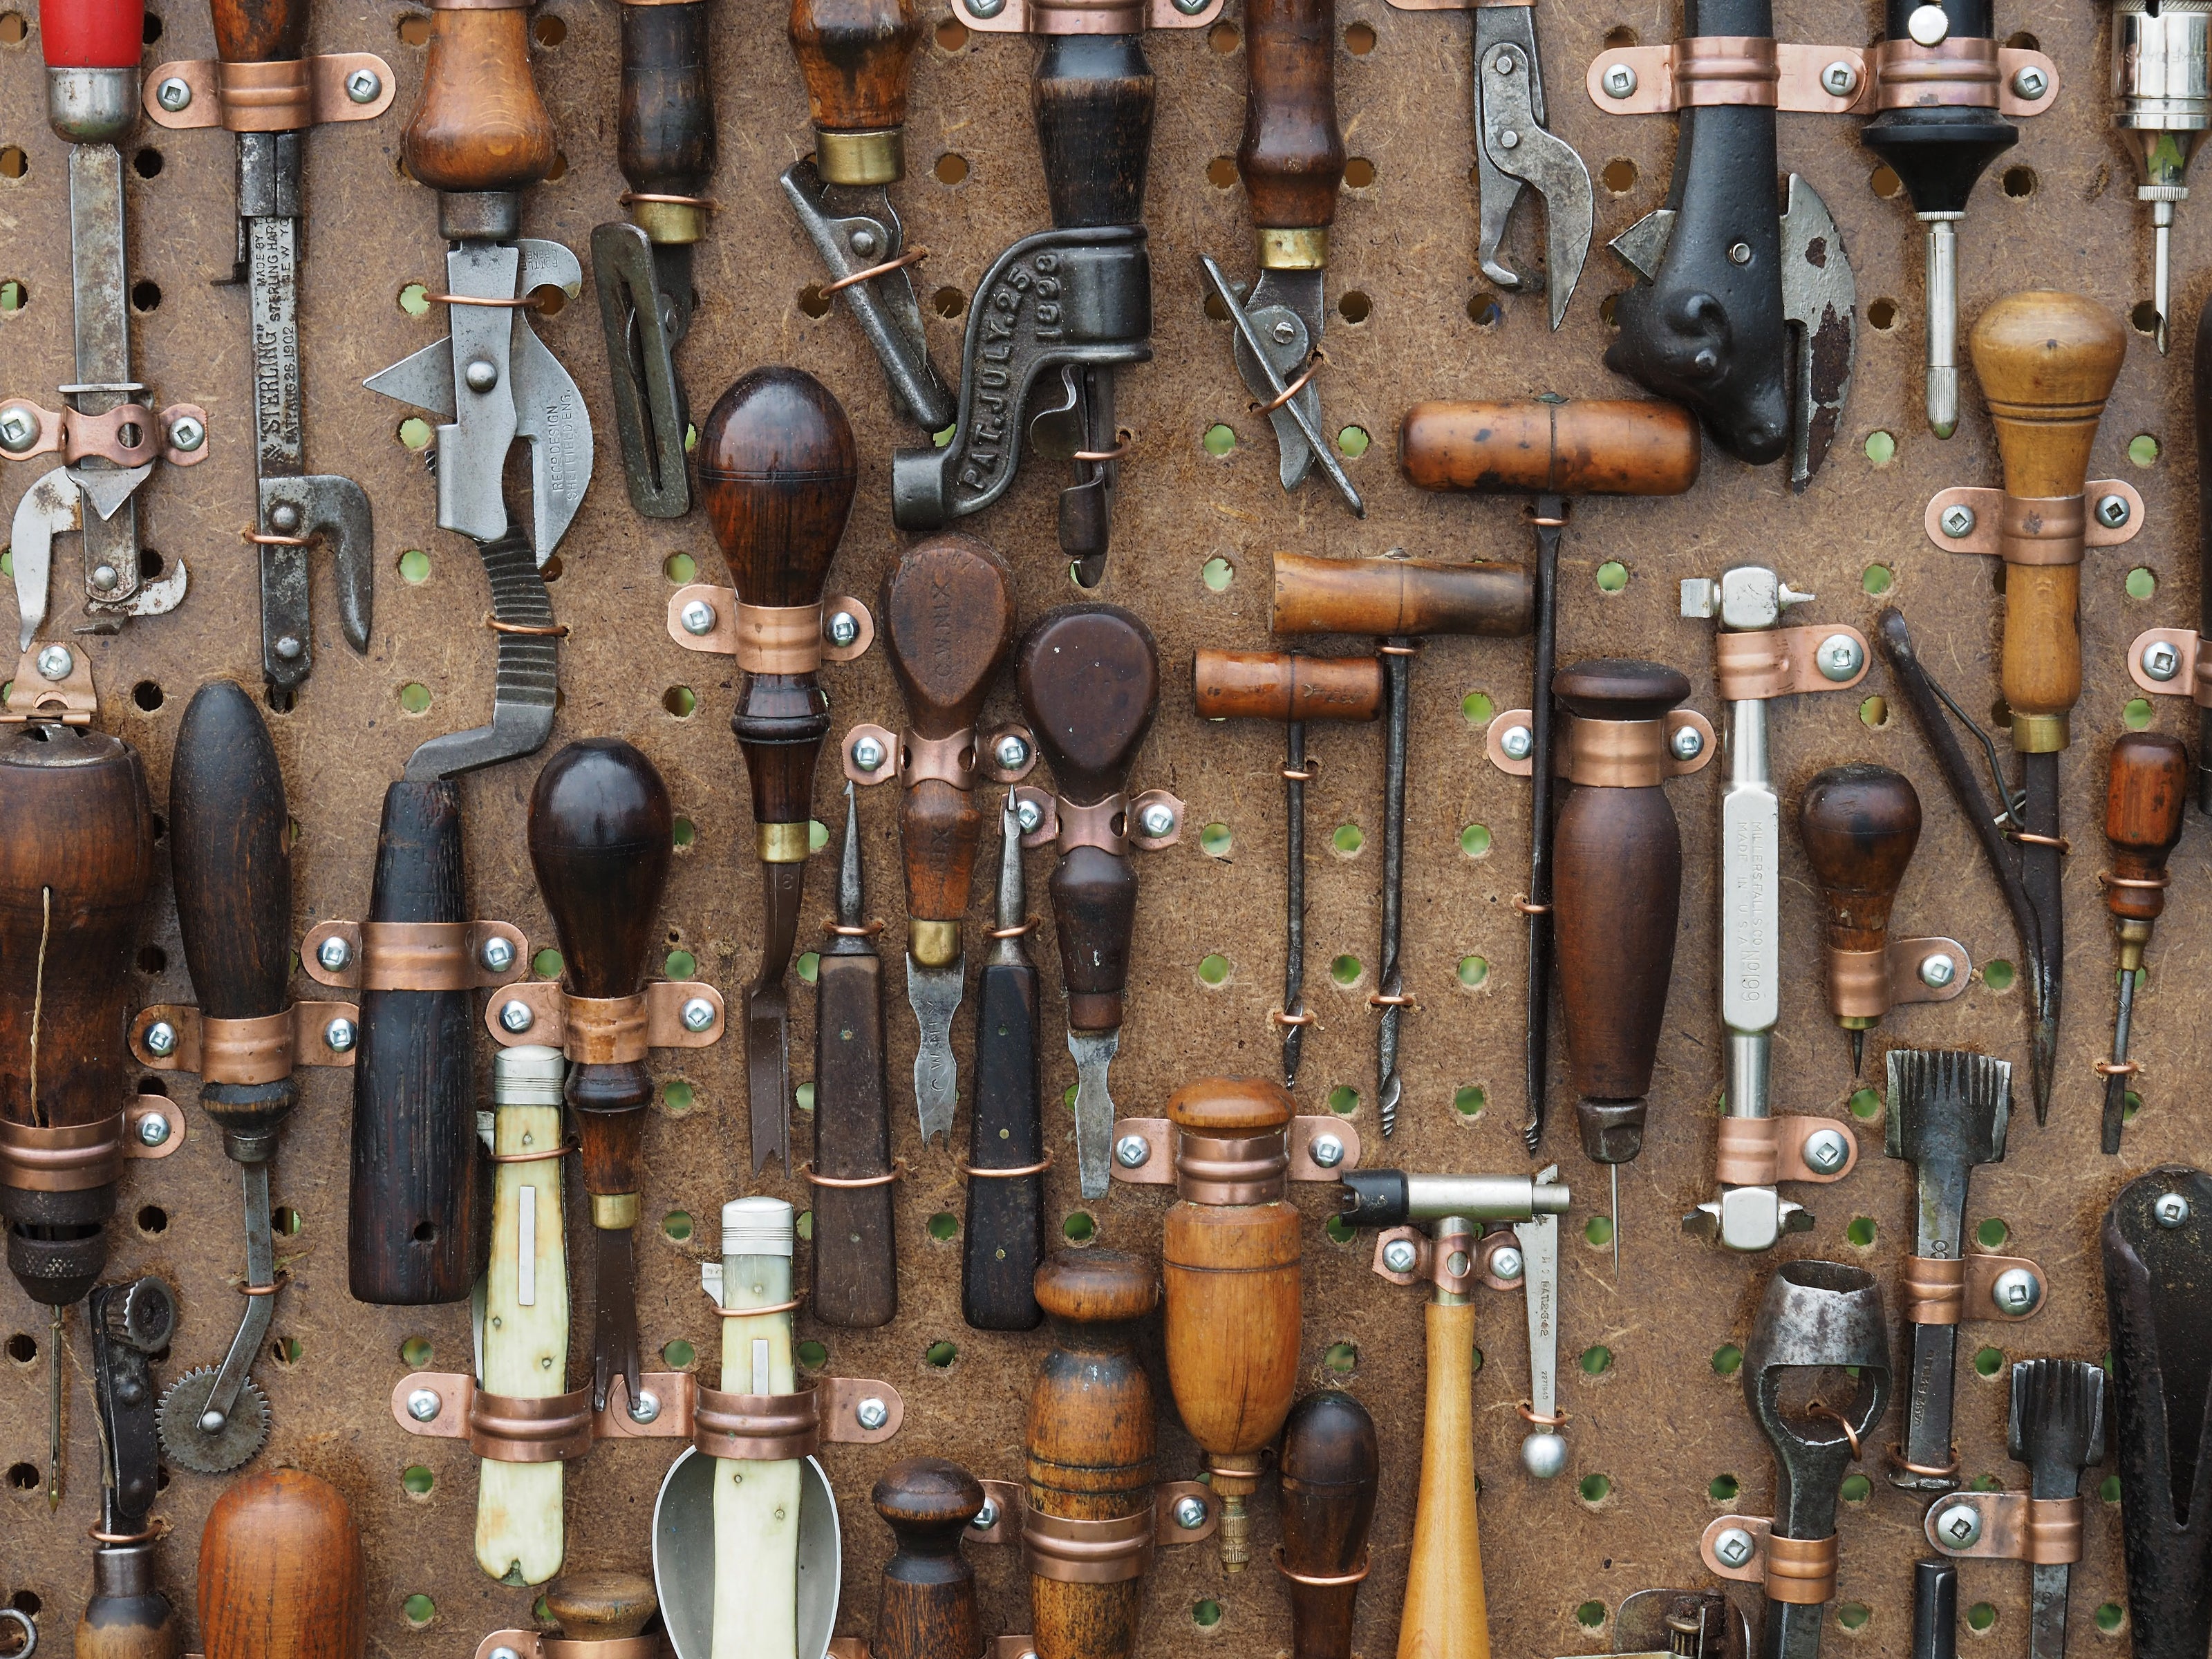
1798 1571
2014 1527
71 700
247 1051
606 1031
1783 662
789 639
1868 984
273 97
2035 530
2167 662
1949 1290
411 956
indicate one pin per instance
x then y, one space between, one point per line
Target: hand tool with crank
1551 448
776 470
1293 161
1860 823
948 618
1090 681
1755 662
267 91
2157 1249
1444 1615
2161 57
77 869
282 1574
927 1606
855 1264
1403 601
1330 1472
1059 312
2144 795
643 268
858 59
1293 687
1003 1232
126 1616
108 440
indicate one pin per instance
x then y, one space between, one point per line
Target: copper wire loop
260 1290
1293 388
865 930
2029 838
754 1313
531 631
1897 1456
1815 1408
1304 1016
912 256
1388 650
1317 1579
260 540
1302 775
1377 999
2115 1068
706 203
1527 1415
1521 903
898 1172
1101 455
526 302
967 1169
99 1537
1029 926
2106 879
562 1151
1546 524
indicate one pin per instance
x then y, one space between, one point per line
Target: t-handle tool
2161 56
126 1616
776 470
858 59
282 1571
1331 1472
2144 797
1293 161
1293 687
1089 680
642 269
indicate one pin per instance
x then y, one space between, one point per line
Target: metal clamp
1786 662
2005 1526
1801 1571
412 955
535 1645
274 97
1183 1512
1868 984
1756 71
846 1410
1605 754
51 683
26 429
169 1038
1950 1290
1757 1152
1320 1148
856 1647
1975 519
875 754
2170 662
1454 1263
1152 821
606 1031
706 619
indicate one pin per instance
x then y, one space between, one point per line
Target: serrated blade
934 995
177 1422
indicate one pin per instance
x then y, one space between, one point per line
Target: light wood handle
1445 1616
480 126
755 1504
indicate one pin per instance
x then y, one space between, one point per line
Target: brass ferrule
671 224
933 943
781 843
1305 249
875 157
2040 734
1858 1022
614 1212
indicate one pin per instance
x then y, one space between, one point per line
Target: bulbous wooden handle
929 1590
858 59
664 140
601 1606
259 31
1529 446
479 126
1860 824
1401 597
1446 1614
1284 685
282 1574
1331 1470
1089 680
1292 153
777 468
2143 798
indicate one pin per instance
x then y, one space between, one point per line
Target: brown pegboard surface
1658 1424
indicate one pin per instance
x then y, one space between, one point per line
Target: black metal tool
126 1616
1935 1609
2058 1431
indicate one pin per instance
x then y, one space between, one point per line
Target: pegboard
1658 1430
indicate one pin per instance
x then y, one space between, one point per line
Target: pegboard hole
414 567
1597 1360
1205 1614
554 175
1866 1105
2135 713
1612 576
1217 574
680 568
1590 1615
2108 1489
1877 580
148 695
1728 1360
150 564
1859 1232
943 1226
22 1348
1079 1227
1881 447
152 1220
1355 306
1853 1615
680 965
818 836
811 1355
1219 439
2131 1106
1213 970
1593 1489
809 966
1723 1488
940 1354
1346 971
15 162
1221 172
2143 317
1469 1099
1214 308
1856 1489
952 168
152 961
549 30
1608 309
546 962
415 433
1620 175
676 1225
1358 173
1483 311
1222 37
1474 973
1597 1232
2023 41
418 1610
2142 449
1477 707
15 295
1885 183
1618 37
415 30
1474 841
285 1351
1352 442
679 700
1342 1357
1980 1617
1347 840
23 1477
14 30
2020 183
1998 974
1988 1362
147 164
1215 841
1339 1229
952 34
813 301
2141 583
1358 40
678 1095
286 1221
417 1480
679 1354
1874 711
2109 1617
1882 314
1992 1233
415 1352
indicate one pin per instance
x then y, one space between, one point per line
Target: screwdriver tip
1858 1054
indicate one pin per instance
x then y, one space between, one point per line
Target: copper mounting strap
1868 984
1807 78
1757 1152
533 1645
1210 1169
1949 1290
1101 825
606 1031
247 1051
1801 1571
273 97
564 1426
949 759
2014 1526
2034 529
757 1428
410 955
1781 662
2184 668
1213 1170
74 1157
78 436
1319 1580
2041 529
509 1429
71 700
1607 754
766 639
1952 74
1726 69
1111 1551
779 639
479 5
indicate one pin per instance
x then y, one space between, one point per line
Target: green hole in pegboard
417 1480
1597 1232
1985 1483
1353 441
1988 1362
1215 841
1067 1096
1595 1488
1865 1104
943 1226
1723 1488
1855 1488
683 833
1991 1233
546 964
1998 974
415 433
680 568
1474 840
677 1354
1477 707
943 435
6 560
415 1352
1474 972
940 1354
1874 712
1728 1360
1590 1615
803 1225
14 295
1877 579
677 1224
1339 1230
1612 576
1981 1616
1213 969
415 697
802 1096
1597 1360
418 1610
1478 1359
1219 439
1860 1231
2130 1104
1880 448
680 701
1206 1613
1216 573
809 965
2109 1489
2141 584
678 1095
1344 1100
817 834
1347 839
2110 1618
1078 1227
414 566
1853 1615
681 964
2135 715
1342 1357
1344 970
1468 1100
2142 449
415 300
811 1355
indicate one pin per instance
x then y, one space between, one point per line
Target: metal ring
1377 999
526 302
1546 524
1352 1577
1551 1422
752 1313
865 930
260 1290
22 1622
706 202
1388 650
1897 1456
806 1173
2116 1069
1521 903
1101 455
1815 1408
1029 926
2029 838
912 256
260 540
968 1169
1293 388
99 1537
529 630
2106 879
1304 1016
562 1151
1304 775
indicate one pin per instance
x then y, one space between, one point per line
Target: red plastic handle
92 33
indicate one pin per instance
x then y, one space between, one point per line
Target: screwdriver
2142 820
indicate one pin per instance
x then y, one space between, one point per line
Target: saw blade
177 1422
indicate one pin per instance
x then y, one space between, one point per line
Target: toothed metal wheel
187 1437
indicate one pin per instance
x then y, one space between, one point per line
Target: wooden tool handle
928 1609
230 854
282 1574
1616 897
2143 798
757 1520
1860 824
1445 1616
1091 1439
948 623
1532 447
855 1268
413 1208
126 1616
1331 1470
2046 362
1293 155
259 31
479 126
1092 97
92 34
602 1607
1284 685
1003 1239
858 59
665 139
1401 597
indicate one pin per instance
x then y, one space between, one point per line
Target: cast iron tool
76 869
268 92
1293 687
1090 681
2143 800
126 1616
776 470
2157 1247
1551 448
108 439
1935 1609
282 1574
642 269
2162 103
1002 1236
1293 161
858 59
1403 601
1330 1474
949 621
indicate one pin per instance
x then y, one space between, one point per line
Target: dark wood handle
479 126
1293 155
1331 1469
2143 798
855 1268
282 1574
1284 685
1094 910
665 141
1860 824
1089 680
1401 597
259 31
928 1609
126 1616
858 59
414 1210
1092 97
1004 1238
1527 447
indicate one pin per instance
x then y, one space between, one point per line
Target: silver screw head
869 754
1938 971
106 577
422 1405
160 1039
1687 743
1509 139
1957 521
1400 1256
841 628
1029 815
1502 64
1189 1512
645 1407
1543 1455
864 243
2112 511
1927 26
333 953
185 433
1327 1150
481 374
1619 81
1508 1266
2016 1292
2160 661
1839 80
514 1016
1518 743
339 1036
363 85
1191 8
987 1517
987 7
2031 82
1012 751
1157 819
152 1130
1740 253
1133 1152
17 427
1840 656
1734 1548
871 1413
1826 1151
2171 1209
56 661
285 518
173 94
497 953
1959 1526
698 1015
503 1652
697 617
